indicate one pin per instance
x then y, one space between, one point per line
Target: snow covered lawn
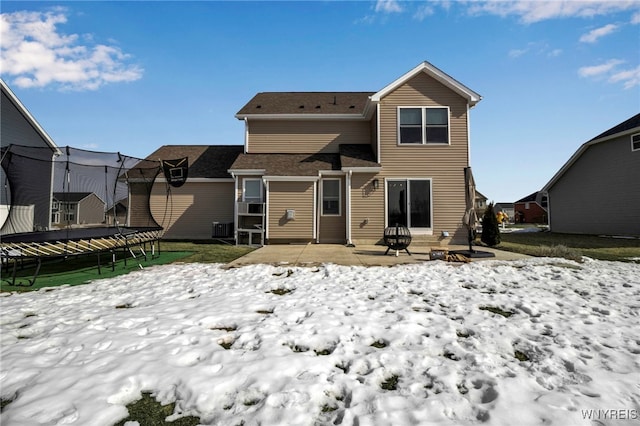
541 341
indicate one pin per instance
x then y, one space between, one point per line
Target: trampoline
44 218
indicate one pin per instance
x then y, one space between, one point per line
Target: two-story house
338 167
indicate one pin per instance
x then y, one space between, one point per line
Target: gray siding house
30 209
77 208
598 190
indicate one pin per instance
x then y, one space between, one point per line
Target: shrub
490 227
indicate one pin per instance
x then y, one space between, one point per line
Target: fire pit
397 238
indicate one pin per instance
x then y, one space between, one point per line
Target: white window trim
322 213
244 189
424 118
632 136
415 231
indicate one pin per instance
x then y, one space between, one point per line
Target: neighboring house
507 208
77 208
30 210
597 191
338 167
117 215
531 209
481 203
207 197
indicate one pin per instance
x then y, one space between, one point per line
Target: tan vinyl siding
90 211
291 195
138 205
443 164
191 209
600 192
333 228
305 137
367 208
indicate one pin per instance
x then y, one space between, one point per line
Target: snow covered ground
409 345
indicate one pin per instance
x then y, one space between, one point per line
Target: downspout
246 135
235 207
315 212
378 133
468 137
348 210
53 159
266 211
317 200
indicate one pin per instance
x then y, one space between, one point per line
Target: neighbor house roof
627 127
631 124
306 103
27 115
71 197
205 161
528 198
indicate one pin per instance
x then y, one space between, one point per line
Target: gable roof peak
436 73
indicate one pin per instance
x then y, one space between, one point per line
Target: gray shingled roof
205 161
71 197
288 164
629 124
311 103
306 164
352 155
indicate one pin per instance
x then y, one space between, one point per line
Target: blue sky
132 76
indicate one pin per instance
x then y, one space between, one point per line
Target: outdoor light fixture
376 184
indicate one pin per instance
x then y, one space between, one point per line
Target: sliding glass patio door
409 202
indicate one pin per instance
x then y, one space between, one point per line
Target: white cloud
635 19
555 53
593 35
423 11
531 11
609 70
629 78
36 54
599 70
388 6
516 53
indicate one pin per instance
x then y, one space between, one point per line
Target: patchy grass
390 384
147 411
570 246
205 251
496 310
379 344
281 291
83 269
6 401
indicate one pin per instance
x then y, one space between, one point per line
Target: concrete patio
365 255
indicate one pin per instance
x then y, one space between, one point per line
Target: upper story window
252 190
330 197
423 125
635 142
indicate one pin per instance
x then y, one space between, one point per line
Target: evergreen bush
490 227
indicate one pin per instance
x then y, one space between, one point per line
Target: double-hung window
330 197
423 125
635 142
